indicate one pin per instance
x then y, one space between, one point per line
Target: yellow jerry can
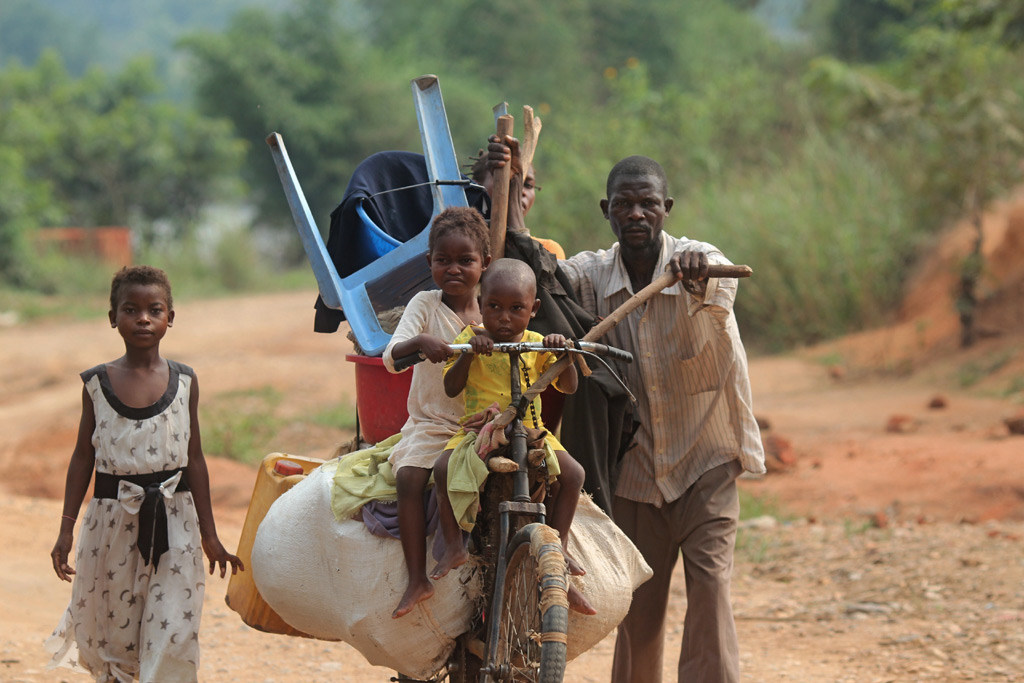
277 473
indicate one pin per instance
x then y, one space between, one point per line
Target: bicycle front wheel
535 609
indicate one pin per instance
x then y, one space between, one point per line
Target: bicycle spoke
521 621
531 644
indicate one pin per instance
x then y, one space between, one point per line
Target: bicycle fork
520 505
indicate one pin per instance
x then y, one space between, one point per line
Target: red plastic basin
381 398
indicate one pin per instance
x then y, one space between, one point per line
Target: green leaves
844 151
108 149
953 94
308 76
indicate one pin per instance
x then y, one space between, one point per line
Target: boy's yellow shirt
489 376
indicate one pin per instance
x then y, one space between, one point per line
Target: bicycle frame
519 505
511 515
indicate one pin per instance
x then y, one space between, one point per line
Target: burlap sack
336 581
614 569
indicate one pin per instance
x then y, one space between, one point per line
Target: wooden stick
666 279
531 131
499 194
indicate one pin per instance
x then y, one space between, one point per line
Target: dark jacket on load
402 214
597 423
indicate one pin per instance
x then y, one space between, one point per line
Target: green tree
868 30
23 202
29 27
106 150
722 113
558 53
532 51
954 101
304 74
335 84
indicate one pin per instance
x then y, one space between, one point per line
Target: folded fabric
467 474
363 476
491 438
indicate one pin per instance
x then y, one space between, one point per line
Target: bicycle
525 573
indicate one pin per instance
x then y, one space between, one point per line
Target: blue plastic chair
394 270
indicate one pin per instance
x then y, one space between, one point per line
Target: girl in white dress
459 251
138 583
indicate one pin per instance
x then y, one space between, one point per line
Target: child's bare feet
454 555
578 603
417 591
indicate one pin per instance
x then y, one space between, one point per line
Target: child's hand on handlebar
556 341
482 344
435 349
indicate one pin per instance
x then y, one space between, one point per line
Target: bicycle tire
535 609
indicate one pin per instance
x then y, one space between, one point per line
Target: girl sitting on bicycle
458 252
508 300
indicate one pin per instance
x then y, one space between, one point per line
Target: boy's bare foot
578 603
452 558
416 592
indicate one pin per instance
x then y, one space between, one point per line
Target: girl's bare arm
199 483
434 348
83 460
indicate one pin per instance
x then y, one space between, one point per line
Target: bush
828 237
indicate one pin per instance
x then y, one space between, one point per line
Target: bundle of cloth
324 560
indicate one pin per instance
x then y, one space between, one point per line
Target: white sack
614 569
336 581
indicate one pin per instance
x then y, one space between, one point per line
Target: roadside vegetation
822 143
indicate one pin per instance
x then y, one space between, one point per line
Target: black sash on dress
152 535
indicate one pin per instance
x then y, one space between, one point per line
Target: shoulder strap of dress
92 372
181 368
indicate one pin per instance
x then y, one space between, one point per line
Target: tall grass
239 424
828 235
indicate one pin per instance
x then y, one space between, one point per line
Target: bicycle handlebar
522 347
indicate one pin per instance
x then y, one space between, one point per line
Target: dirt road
900 556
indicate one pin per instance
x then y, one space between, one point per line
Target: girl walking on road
138 581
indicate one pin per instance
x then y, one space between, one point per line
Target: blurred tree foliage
633 78
106 150
955 101
905 112
29 27
109 33
334 98
23 201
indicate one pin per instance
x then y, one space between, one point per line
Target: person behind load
138 584
481 174
508 300
458 252
676 494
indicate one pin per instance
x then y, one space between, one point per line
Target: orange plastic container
381 398
278 473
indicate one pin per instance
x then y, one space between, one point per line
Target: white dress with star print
127 620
